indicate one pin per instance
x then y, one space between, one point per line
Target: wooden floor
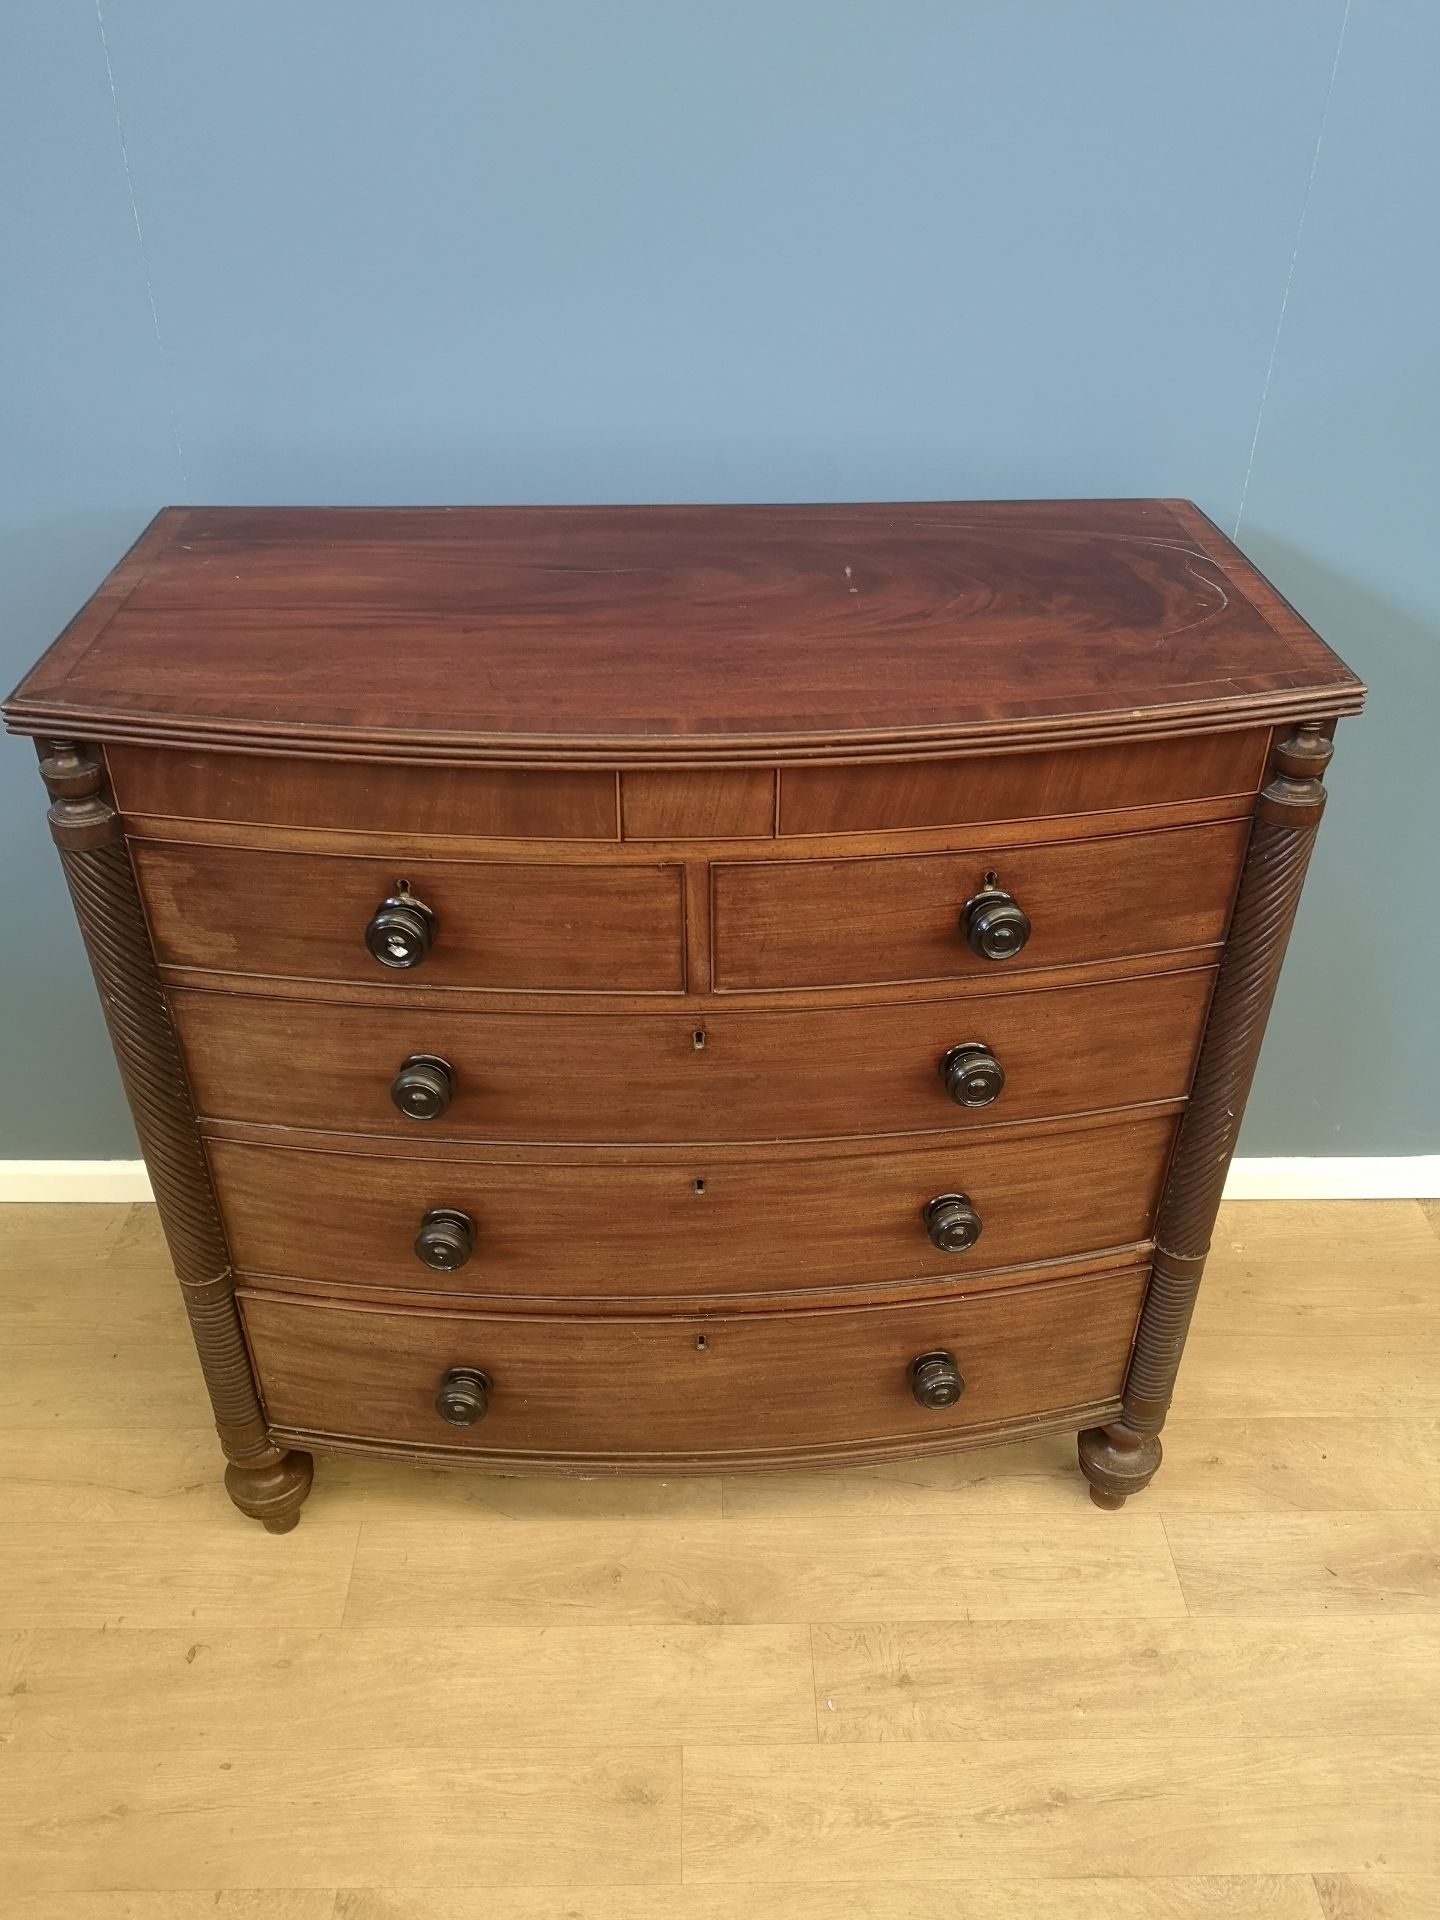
946 1690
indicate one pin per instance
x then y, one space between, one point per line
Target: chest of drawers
692 988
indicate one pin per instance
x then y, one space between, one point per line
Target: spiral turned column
268 1484
1121 1458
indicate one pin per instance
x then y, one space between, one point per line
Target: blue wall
510 250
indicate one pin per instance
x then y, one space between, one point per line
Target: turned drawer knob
994 923
973 1076
402 930
951 1222
935 1380
464 1396
446 1239
424 1086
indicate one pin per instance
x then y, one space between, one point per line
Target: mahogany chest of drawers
644 989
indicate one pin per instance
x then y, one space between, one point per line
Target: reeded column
264 1482
1121 1458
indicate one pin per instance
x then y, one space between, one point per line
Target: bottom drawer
726 1387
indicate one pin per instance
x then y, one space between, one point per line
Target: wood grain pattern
1315 1563
253 790
1322 1267
501 924
179 1570
733 804
1116 1680
1378 1896
666 633
271 1903
639 1077
430 1814
1299 1464
763 1224
1212 1897
1046 1808
588 1683
1018 786
763 1571
1347 1375
821 923
584 1390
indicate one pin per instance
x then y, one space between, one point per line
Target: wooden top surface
678 635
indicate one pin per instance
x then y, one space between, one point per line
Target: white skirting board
1398 1177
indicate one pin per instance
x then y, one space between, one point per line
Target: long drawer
663 1077
583 927
652 1227
720 1386
893 917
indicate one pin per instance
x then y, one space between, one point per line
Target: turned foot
272 1491
1117 1462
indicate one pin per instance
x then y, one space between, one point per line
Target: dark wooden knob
402 930
446 1239
464 1396
995 924
935 1380
973 1076
424 1086
951 1222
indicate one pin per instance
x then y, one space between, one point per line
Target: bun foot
1117 1462
1109 1502
272 1492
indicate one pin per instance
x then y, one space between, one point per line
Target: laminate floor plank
1040 1809
319 1818
1260 1897
166 1573
1375 1896
1115 1679
597 1685
316 1903
41 1246
1322 1266
96 1383
1298 1465
771 1570
1235 1375
58 1475
1308 1563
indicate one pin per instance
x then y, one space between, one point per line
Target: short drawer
573 927
725 1387
1020 786
662 1077
361 796
653 1226
894 917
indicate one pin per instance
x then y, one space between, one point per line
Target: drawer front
823 923
1020 786
363 797
756 1224
577 927
722 1386
642 1077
